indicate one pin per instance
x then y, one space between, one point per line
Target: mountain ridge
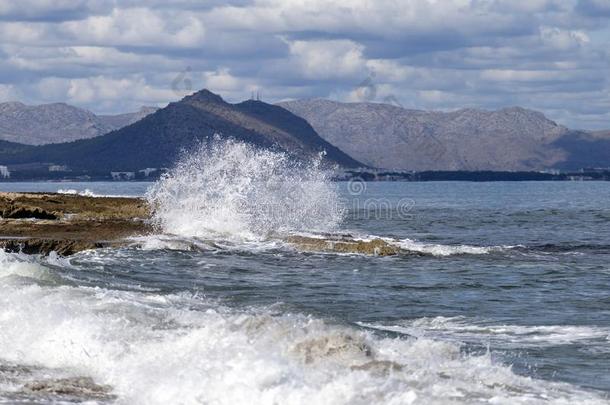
158 139
389 136
58 122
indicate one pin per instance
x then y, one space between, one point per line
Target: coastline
41 223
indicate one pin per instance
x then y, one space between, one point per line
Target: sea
500 295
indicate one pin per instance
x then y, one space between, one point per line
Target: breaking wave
233 190
149 348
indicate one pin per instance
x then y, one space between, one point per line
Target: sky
115 56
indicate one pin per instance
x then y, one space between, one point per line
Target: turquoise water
508 301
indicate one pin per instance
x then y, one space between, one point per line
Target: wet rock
46 246
68 224
77 206
75 387
338 346
27 212
379 367
343 244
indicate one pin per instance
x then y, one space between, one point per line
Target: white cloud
562 39
138 27
8 92
112 89
327 59
523 75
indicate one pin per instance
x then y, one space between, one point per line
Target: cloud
334 59
138 27
112 56
594 8
8 92
49 10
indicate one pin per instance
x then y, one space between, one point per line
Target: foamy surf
88 193
84 193
182 348
504 335
435 249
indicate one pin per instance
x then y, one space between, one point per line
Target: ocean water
506 302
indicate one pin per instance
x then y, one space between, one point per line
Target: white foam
71 191
22 266
154 348
469 330
233 190
88 193
435 249
447 250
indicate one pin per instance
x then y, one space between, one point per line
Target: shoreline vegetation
41 223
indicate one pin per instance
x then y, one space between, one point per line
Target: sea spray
233 190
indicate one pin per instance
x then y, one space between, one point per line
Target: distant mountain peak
204 96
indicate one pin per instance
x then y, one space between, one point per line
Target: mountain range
352 134
158 139
389 136
58 122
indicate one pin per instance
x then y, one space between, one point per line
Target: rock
46 246
338 346
68 224
376 247
28 212
79 387
379 367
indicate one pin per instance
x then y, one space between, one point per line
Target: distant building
4 172
58 168
146 172
123 175
595 170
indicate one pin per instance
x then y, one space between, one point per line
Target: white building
58 168
4 172
123 175
146 172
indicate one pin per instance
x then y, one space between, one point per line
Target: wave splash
233 190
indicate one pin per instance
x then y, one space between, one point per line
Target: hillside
122 120
392 137
58 122
158 139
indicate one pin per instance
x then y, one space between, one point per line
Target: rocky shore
40 223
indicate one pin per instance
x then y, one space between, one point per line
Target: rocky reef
343 244
39 223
